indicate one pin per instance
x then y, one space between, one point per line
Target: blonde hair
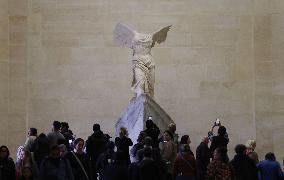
251 143
123 132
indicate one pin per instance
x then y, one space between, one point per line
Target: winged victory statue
143 65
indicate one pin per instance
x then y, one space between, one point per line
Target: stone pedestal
136 114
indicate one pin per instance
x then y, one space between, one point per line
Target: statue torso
142 49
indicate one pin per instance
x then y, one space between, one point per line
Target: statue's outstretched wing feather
161 35
123 35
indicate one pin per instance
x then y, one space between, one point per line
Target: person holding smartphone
219 141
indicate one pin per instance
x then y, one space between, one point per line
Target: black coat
154 134
123 144
202 160
95 145
217 142
116 172
244 167
149 170
7 169
76 168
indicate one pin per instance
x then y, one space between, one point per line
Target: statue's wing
161 35
123 35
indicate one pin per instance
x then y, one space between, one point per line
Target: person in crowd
118 169
40 148
79 161
105 159
147 144
202 158
244 167
68 135
7 165
184 167
269 169
55 167
221 140
27 174
133 168
185 140
123 142
153 131
168 151
26 161
95 146
172 128
32 135
139 145
251 144
63 150
219 168
148 168
156 155
55 137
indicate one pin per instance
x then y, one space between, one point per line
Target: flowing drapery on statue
142 105
143 65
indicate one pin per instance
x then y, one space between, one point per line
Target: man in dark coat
244 167
148 168
221 140
95 145
202 158
153 131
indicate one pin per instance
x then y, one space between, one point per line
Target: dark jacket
116 172
55 169
202 160
133 171
95 145
40 148
7 169
76 168
123 144
149 170
217 142
244 167
154 134
104 160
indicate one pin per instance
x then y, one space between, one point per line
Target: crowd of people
155 156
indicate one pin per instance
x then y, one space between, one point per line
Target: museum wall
269 76
4 70
222 58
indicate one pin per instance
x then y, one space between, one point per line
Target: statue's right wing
123 35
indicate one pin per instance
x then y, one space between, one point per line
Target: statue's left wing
161 35
123 35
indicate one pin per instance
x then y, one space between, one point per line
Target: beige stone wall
222 59
269 76
4 70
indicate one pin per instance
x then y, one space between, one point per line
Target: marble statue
143 105
143 65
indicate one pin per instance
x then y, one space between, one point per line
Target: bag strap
81 165
187 162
